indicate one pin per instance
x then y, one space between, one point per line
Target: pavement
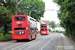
54 41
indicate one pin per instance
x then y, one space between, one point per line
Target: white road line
58 42
22 45
47 43
35 44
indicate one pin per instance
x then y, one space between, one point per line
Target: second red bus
44 29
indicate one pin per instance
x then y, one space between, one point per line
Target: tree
35 8
52 24
7 9
67 15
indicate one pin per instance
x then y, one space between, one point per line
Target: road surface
53 41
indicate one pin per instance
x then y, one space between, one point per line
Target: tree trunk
6 29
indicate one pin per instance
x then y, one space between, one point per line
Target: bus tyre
35 37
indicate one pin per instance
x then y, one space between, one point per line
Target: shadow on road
22 40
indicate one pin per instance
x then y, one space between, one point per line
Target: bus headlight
16 33
22 32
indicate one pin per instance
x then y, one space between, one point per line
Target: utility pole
59 28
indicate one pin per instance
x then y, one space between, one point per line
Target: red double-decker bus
23 27
44 29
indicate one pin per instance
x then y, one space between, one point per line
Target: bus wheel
35 37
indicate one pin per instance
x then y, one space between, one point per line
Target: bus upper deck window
19 18
43 25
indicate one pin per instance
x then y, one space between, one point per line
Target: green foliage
57 31
35 8
38 31
61 31
7 9
2 38
52 23
67 15
1 34
49 29
3 14
3 11
7 37
10 32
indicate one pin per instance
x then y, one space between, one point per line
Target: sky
50 15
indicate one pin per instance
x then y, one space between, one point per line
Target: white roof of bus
31 18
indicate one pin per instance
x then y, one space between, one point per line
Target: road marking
60 45
24 44
47 43
58 42
35 43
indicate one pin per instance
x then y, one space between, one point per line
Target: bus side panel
34 35
32 26
31 35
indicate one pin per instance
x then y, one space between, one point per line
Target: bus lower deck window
43 29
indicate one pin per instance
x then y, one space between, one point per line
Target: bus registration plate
43 32
20 38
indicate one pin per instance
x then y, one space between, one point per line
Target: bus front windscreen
43 25
19 18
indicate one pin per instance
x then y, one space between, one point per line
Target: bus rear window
19 28
19 18
43 29
43 25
